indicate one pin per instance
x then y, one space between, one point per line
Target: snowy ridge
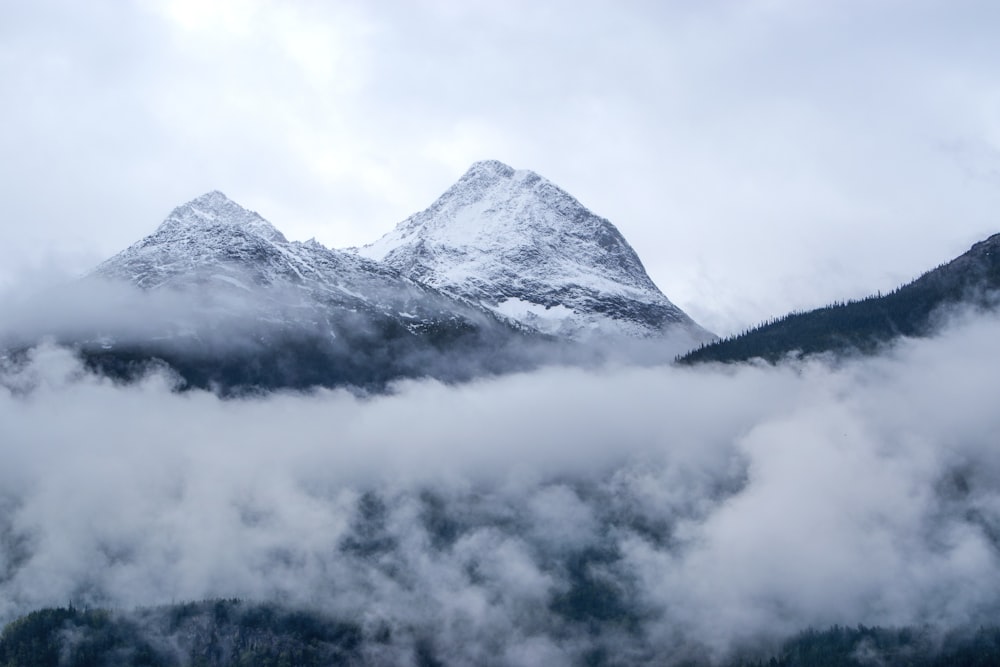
213 244
504 272
514 242
215 207
213 233
229 304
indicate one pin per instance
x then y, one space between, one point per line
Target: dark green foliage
205 634
74 638
863 646
868 324
591 597
442 528
425 655
230 633
369 535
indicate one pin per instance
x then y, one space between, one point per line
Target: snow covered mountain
514 242
247 307
503 273
212 242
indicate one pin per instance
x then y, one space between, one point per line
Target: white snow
556 320
232 281
519 309
507 238
214 240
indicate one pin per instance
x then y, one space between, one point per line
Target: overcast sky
760 156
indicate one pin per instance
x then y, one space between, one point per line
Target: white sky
761 156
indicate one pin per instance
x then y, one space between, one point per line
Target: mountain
915 309
227 301
517 244
503 273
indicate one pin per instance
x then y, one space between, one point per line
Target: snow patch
232 281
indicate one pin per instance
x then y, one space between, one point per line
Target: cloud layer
528 519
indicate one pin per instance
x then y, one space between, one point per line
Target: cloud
652 511
215 333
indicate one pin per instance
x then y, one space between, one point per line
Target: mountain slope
227 302
212 239
912 310
517 244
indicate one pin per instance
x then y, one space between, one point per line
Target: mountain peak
487 174
489 169
516 243
212 198
215 208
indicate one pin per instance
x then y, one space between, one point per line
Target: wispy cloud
670 509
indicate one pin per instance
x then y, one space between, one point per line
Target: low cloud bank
532 519
215 333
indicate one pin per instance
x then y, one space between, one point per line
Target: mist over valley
221 443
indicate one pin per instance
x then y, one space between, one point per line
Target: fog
657 512
216 333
